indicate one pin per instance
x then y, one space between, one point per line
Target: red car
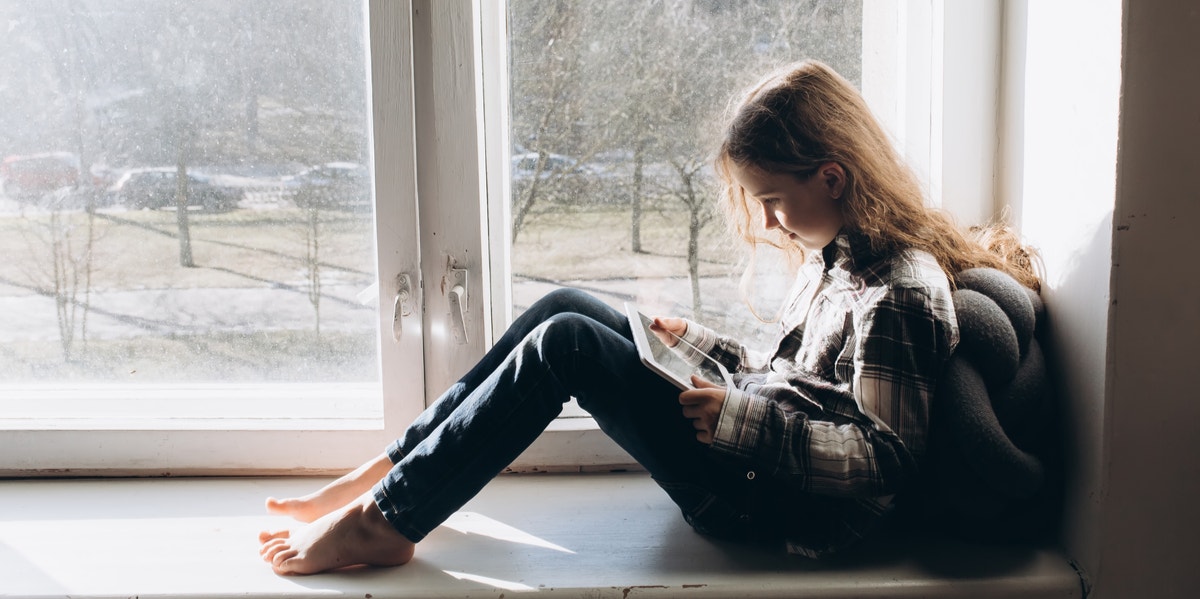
34 175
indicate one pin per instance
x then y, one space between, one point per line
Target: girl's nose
769 220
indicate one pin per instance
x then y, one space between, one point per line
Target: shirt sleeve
866 439
731 353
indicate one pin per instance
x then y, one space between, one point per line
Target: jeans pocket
709 513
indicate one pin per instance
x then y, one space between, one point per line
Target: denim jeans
566 345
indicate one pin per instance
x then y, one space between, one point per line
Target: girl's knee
564 301
565 298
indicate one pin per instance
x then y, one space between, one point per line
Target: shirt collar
847 254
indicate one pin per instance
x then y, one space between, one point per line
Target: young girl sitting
806 451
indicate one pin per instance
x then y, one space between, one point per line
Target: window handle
458 304
403 306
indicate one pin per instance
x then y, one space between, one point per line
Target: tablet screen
666 359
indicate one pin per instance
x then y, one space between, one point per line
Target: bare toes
267 535
279 505
282 563
271 548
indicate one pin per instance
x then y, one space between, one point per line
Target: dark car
558 177
157 188
336 185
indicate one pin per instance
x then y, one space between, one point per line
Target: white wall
1110 219
1149 530
1061 145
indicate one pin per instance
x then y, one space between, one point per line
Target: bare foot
336 494
355 535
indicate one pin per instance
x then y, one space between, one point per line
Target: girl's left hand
702 406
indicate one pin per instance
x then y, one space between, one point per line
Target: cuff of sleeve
699 337
736 431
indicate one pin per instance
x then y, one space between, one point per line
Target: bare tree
312 260
554 122
66 240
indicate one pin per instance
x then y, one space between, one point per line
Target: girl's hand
667 329
702 406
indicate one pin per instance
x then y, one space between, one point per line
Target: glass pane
615 109
185 192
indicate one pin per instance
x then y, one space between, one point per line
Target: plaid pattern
840 408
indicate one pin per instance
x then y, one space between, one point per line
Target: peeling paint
625 591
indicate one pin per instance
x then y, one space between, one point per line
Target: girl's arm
728 351
872 429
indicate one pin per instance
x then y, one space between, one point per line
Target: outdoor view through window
615 107
184 187
185 192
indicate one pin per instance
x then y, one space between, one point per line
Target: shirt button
750 475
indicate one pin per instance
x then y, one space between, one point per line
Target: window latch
403 306
457 297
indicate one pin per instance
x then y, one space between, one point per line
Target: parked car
32 176
561 178
336 185
157 187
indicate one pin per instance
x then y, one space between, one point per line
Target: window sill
566 535
280 406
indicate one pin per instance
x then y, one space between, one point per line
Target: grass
596 244
267 248
139 250
218 356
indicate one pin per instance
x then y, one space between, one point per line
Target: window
307 201
189 220
614 106
613 109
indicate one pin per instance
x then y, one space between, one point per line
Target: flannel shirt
839 411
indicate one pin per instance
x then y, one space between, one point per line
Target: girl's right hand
669 330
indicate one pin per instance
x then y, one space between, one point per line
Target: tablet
665 361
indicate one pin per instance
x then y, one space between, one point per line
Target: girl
807 450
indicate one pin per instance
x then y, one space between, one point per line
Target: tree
312 262
56 44
552 106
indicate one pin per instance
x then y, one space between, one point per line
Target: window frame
444 63
947 132
198 429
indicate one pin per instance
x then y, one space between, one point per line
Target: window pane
185 192
615 108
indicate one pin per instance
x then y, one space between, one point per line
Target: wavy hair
805 115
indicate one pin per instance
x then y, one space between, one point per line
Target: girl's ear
834 178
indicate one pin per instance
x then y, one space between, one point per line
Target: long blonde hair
805 115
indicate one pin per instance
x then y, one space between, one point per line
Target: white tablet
665 361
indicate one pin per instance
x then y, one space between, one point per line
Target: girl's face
806 210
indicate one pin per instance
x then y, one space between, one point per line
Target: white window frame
261 428
930 72
439 137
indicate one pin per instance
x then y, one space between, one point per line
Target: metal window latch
403 306
457 296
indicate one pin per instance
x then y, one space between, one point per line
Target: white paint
1146 530
561 536
450 180
1066 124
334 445
931 76
967 87
1101 139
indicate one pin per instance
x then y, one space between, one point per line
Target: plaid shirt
839 411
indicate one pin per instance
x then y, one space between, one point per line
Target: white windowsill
209 406
612 535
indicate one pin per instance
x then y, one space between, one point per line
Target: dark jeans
568 344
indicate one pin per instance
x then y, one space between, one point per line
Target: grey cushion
992 470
